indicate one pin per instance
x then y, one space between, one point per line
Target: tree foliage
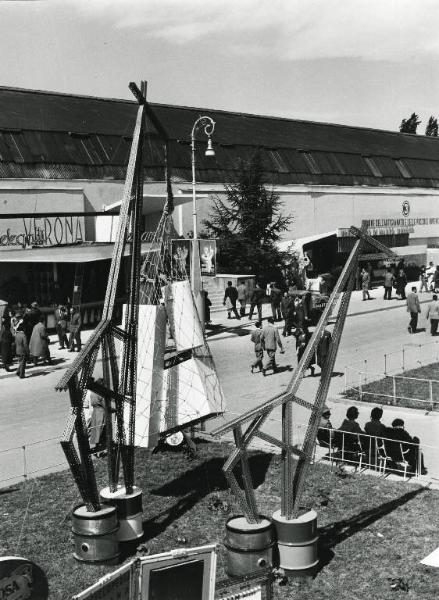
410 125
432 127
248 225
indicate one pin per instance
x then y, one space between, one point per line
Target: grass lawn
406 390
372 530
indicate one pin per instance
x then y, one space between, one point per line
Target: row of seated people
376 440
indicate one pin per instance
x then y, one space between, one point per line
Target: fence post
360 387
24 464
394 390
365 370
431 394
403 359
385 364
345 379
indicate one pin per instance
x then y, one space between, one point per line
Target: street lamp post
208 124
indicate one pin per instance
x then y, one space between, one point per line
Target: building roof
52 135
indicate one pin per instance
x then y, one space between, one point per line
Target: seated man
403 447
347 437
325 433
375 429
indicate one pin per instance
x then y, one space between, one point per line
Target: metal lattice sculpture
293 475
119 385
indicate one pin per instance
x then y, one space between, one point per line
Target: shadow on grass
334 534
196 484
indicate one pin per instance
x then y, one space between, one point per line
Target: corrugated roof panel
423 168
5 149
353 163
326 163
387 166
295 160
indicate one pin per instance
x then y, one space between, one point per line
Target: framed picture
122 583
179 575
181 258
208 257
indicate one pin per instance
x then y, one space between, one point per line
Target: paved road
31 410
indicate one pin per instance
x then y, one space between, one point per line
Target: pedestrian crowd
23 335
376 440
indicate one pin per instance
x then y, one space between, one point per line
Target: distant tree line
410 125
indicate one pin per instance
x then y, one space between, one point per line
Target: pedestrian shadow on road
239 330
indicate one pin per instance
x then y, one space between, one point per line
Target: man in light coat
39 343
414 308
433 314
270 340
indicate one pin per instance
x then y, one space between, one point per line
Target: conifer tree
410 125
432 127
248 224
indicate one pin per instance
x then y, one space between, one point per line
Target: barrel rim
293 544
102 561
249 550
249 531
94 535
97 517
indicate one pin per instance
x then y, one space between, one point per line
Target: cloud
393 30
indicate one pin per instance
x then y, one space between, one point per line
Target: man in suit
75 330
230 298
259 351
21 350
433 314
270 340
414 308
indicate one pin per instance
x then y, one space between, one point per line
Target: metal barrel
249 545
129 511
95 534
297 542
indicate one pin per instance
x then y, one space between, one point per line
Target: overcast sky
361 62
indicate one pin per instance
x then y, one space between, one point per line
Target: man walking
270 339
242 298
259 351
414 308
388 283
433 314
256 300
230 298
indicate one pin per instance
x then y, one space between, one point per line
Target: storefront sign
21 579
47 231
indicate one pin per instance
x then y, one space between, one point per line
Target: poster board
208 257
187 574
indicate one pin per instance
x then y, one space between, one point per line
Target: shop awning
299 243
80 253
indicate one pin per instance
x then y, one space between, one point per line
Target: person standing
401 282
39 343
388 283
207 305
275 300
230 298
256 300
75 330
21 350
414 308
433 314
6 340
259 351
423 278
242 298
365 283
270 340
436 280
287 310
61 326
